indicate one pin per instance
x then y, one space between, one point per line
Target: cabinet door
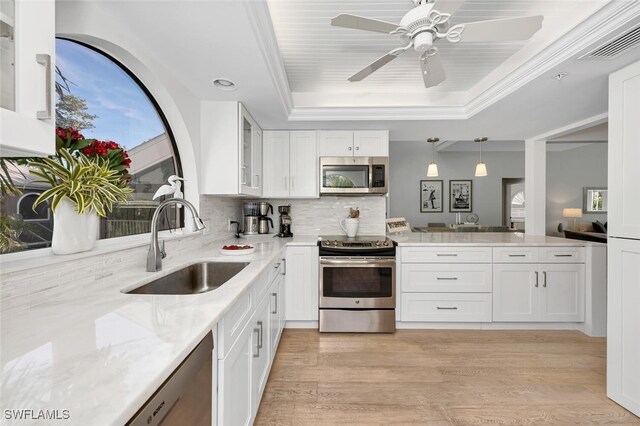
262 359
249 153
27 65
256 155
234 381
301 287
276 164
624 152
335 143
623 327
515 292
274 314
561 292
303 164
371 143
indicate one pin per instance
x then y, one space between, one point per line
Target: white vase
73 232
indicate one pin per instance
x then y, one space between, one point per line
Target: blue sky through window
125 114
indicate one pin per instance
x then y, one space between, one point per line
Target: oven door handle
352 261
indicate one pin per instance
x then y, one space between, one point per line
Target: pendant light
432 170
481 168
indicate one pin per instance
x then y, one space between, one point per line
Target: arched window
103 100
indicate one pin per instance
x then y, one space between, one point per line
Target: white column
535 186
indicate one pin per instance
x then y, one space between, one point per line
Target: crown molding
609 18
258 13
376 113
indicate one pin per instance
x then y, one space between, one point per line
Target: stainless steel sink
193 279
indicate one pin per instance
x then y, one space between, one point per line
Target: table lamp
572 214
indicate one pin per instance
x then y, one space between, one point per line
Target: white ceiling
318 58
193 42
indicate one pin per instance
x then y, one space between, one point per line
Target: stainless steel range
357 284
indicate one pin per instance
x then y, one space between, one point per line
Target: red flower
63 133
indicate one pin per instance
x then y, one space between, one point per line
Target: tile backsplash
322 216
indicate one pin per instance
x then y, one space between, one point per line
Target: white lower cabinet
248 337
301 286
447 307
538 292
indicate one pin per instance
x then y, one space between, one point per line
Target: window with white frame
103 100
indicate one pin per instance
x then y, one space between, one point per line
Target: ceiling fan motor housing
419 27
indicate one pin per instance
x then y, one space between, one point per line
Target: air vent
616 46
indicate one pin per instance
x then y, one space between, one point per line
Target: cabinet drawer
233 322
515 255
446 278
561 254
446 307
446 254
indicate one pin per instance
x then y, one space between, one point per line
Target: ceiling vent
615 47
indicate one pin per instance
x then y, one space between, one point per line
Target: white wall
568 172
408 165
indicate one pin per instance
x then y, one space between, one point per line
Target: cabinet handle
257 184
284 267
45 61
275 299
536 278
260 335
257 354
517 255
276 266
349 148
293 183
243 180
447 254
563 255
447 278
285 183
544 279
357 148
447 308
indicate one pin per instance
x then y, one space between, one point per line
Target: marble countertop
100 353
482 239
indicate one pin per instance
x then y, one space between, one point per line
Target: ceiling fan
428 23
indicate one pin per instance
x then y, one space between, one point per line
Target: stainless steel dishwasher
185 397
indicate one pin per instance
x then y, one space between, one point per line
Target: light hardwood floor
434 377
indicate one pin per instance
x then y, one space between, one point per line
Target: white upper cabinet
290 164
359 143
27 55
624 152
231 150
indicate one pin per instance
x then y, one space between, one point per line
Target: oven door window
355 176
356 282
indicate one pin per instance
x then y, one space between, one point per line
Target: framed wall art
431 196
460 196
594 200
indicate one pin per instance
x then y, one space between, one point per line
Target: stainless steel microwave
354 175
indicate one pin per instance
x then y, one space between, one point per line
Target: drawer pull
447 308
544 281
563 255
447 278
517 255
447 254
536 278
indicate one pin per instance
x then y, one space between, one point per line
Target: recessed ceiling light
561 75
224 84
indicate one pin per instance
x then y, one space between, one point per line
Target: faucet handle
163 253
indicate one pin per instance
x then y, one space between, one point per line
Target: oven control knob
335 243
378 243
357 302
386 243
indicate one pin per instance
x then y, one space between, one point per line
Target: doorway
513 203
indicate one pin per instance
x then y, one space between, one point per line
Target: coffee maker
264 221
285 222
251 218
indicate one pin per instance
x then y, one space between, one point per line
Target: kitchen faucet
156 250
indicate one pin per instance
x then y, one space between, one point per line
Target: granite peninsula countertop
100 353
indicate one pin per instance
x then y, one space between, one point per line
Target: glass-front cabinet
27 85
250 155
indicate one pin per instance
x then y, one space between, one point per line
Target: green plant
10 229
90 183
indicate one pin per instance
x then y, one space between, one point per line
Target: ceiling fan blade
375 66
447 6
510 29
432 70
359 23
